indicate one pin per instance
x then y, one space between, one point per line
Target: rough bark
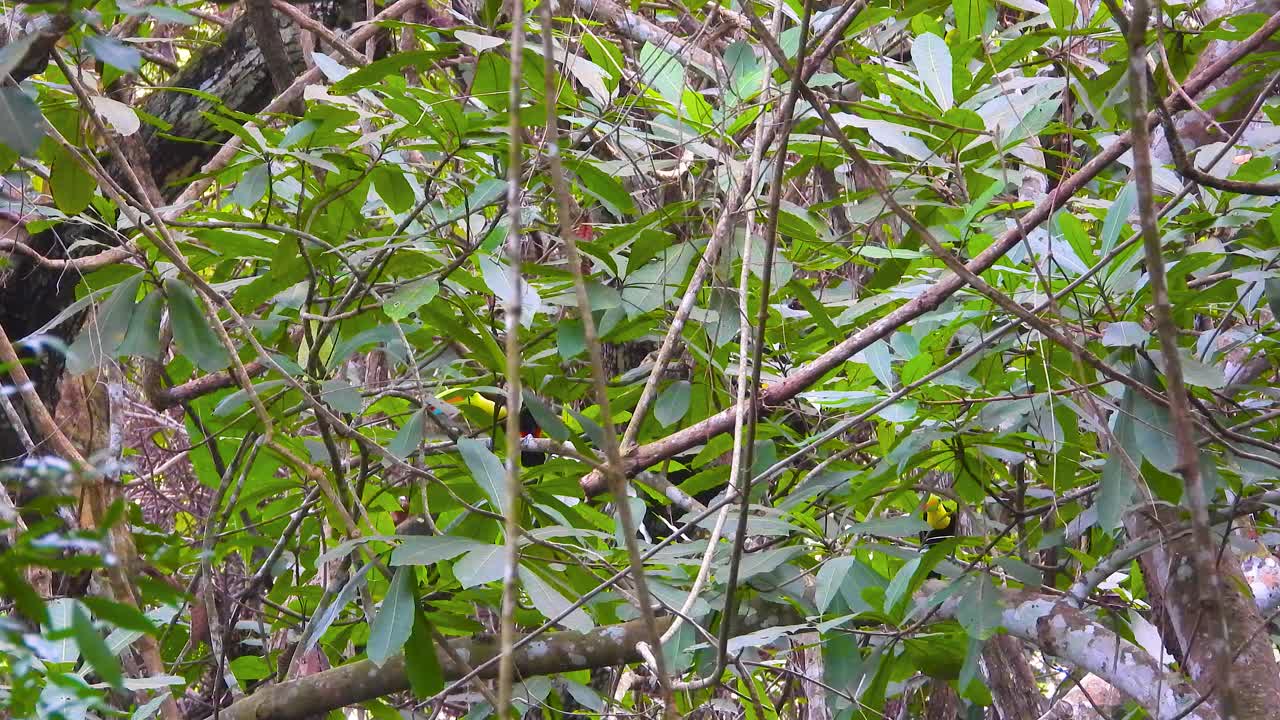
1010 680
235 72
1255 676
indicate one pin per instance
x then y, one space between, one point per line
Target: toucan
489 410
940 514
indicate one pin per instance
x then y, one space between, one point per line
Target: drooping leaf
979 609
143 336
94 650
108 331
192 332
971 16
72 186
420 661
932 59
486 469
1063 12
394 622
1118 217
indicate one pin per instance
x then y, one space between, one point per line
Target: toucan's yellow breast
938 519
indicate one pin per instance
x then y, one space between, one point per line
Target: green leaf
300 131
1272 290
167 14
248 668
932 59
696 109
331 611
662 72
480 566
901 585
1125 334
497 275
420 661
394 621
376 71
892 527
94 650
605 188
551 603
1116 484
114 53
652 286
1063 13
672 403
102 337
971 16
71 186
143 336
830 580
604 53
22 595
409 297
745 76
251 187
21 124
571 339
238 399
409 437
341 396
393 188
486 469
1118 216
1077 237
430 549
879 360
192 332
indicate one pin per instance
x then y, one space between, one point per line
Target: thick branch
359 681
641 29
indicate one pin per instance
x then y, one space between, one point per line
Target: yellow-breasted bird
489 410
940 514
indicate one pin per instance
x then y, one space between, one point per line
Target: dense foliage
292 334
